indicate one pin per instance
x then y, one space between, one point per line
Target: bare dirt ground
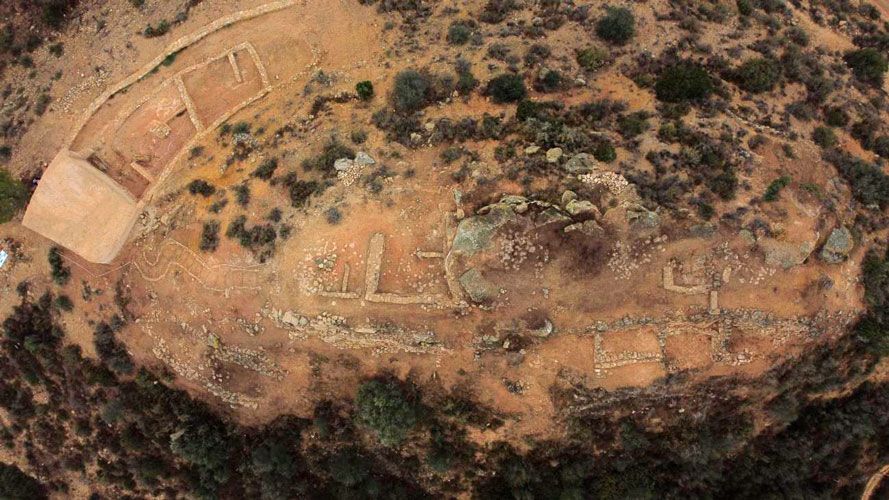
375 291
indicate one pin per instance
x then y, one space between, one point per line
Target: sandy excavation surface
378 290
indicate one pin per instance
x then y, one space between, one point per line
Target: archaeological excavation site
487 249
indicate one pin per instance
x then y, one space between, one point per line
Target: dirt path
874 482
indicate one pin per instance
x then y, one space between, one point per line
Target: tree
365 90
13 196
868 65
383 407
16 484
683 81
618 26
507 87
757 75
410 92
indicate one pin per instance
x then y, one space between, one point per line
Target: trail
874 482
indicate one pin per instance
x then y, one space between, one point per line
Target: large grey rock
642 218
474 234
553 155
582 207
838 246
363 159
550 217
785 254
343 164
582 163
589 228
478 288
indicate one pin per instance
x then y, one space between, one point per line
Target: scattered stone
838 246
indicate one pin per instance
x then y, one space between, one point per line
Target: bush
618 26
58 270
13 196
16 484
383 407
411 91
632 124
496 11
266 169
604 152
684 81
155 31
460 32
868 65
824 137
592 58
64 303
869 184
507 87
774 189
757 75
333 151
210 236
201 187
365 90
242 194
745 8
835 116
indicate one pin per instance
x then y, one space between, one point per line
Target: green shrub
210 236
881 146
201 187
58 270
507 87
592 58
333 151
242 194
774 189
16 484
868 65
411 91
155 31
604 152
460 32
617 26
757 75
13 196
266 169
683 81
365 90
383 407
745 8
836 116
633 124
824 137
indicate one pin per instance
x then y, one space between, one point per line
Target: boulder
363 159
530 150
589 228
642 218
343 164
838 246
582 163
553 155
474 234
785 254
551 216
568 196
544 331
478 288
582 207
